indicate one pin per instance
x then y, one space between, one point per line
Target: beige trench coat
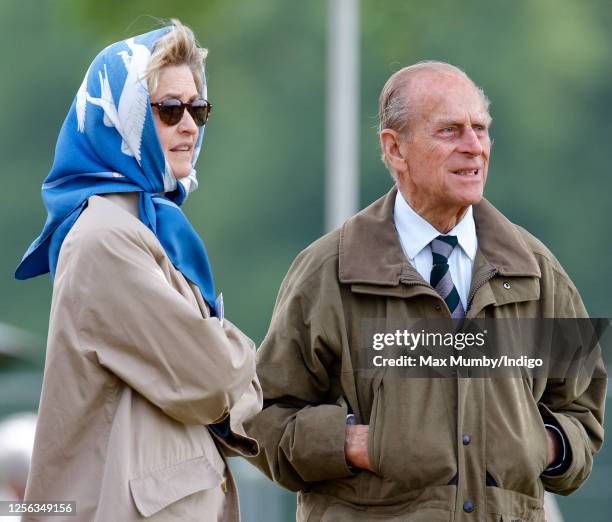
135 371
424 470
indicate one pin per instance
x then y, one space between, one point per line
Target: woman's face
177 141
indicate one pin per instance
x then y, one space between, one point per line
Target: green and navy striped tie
441 249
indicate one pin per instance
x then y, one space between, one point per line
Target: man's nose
470 143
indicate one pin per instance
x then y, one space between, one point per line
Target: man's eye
448 130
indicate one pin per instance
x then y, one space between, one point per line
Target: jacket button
468 506
466 439
438 307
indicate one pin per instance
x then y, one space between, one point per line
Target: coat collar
370 250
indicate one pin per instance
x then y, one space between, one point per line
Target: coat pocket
516 440
160 488
375 426
412 437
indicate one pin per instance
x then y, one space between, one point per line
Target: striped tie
441 249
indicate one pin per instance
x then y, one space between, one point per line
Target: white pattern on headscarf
129 117
134 98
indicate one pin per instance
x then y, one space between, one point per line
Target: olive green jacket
423 471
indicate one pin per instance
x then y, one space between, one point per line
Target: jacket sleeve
234 442
132 322
301 430
575 404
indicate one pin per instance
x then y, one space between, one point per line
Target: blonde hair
396 106
177 47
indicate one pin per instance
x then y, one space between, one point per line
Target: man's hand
356 446
553 447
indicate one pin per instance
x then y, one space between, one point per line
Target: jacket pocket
374 426
411 436
516 440
504 505
160 488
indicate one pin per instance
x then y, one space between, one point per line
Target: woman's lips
183 147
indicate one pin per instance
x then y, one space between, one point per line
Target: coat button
466 439
438 307
468 506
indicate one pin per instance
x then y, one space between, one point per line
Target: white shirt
416 234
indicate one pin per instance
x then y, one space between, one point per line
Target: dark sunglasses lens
199 111
171 112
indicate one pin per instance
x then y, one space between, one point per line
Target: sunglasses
171 111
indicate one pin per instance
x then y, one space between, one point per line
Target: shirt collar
416 233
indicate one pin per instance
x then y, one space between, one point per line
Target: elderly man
359 445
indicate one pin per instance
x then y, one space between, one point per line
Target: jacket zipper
489 276
415 283
418 283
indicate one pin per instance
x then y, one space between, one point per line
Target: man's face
447 151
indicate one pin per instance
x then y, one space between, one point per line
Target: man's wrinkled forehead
446 96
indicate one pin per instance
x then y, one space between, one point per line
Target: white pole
552 513
342 165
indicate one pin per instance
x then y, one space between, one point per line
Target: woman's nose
187 124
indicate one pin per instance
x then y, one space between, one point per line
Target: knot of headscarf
108 144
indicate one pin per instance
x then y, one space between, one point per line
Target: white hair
396 106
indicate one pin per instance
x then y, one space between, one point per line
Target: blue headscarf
108 144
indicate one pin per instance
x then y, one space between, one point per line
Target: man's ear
390 141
